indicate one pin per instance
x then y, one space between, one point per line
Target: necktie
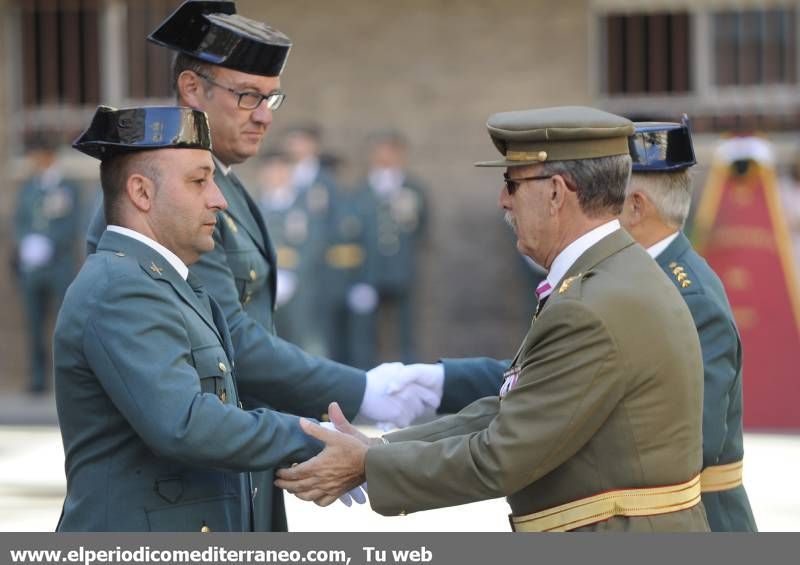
543 290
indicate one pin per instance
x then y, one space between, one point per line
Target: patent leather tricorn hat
118 131
661 146
214 33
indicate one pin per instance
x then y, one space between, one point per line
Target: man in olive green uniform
229 66
597 424
658 201
656 206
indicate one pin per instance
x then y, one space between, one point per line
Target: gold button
222 367
252 275
325 418
402 513
205 529
542 156
223 396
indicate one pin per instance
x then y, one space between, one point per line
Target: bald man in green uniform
598 423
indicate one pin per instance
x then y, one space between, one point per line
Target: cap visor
506 163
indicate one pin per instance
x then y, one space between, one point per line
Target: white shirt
658 248
171 258
226 169
571 252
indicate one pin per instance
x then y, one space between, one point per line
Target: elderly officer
229 66
656 206
46 220
145 380
597 425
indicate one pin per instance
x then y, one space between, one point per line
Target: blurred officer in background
349 291
297 235
400 212
46 223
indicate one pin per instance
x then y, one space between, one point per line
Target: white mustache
509 219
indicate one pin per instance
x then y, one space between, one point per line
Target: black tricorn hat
213 32
661 146
114 132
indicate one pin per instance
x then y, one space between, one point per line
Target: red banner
742 233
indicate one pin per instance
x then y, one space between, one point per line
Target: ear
558 193
190 89
140 191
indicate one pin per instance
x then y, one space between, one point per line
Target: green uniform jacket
153 438
729 510
240 274
609 397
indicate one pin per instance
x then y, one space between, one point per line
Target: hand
357 493
362 298
398 404
339 468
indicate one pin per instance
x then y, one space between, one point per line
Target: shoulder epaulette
679 273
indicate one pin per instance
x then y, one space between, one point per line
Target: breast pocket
214 370
250 270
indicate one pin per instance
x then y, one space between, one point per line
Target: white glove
399 408
428 375
357 493
35 250
287 284
362 298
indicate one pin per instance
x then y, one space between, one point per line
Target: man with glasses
597 424
229 66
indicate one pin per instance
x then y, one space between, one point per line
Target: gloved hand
397 404
287 285
362 298
357 493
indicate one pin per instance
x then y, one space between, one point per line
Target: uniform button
252 275
205 529
222 367
324 418
402 513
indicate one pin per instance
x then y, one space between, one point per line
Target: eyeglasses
513 184
251 100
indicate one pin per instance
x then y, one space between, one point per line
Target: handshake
398 394
395 396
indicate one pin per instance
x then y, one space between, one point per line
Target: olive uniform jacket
728 510
240 274
608 396
147 403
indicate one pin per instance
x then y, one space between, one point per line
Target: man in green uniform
229 66
658 200
395 227
46 220
145 377
597 424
